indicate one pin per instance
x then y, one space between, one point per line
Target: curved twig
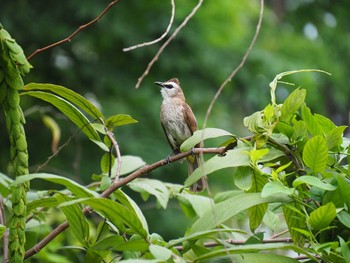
234 72
161 37
161 49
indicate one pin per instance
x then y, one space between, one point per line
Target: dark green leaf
315 154
68 95
69 110
243 177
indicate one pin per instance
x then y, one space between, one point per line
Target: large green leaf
322 216
76 219
117 213
334 137
292 103
77 189
69 110
260 258
315 154
310 121
69 95
254 248
223 211
295 220
119 120
314 181
233 158
202 135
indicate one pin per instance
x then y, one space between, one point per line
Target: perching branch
234 72
161 49
116 185
80 28
161 37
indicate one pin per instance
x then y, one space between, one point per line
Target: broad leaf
223 211
261 258
276 187
160 252
76 219
119 120
315 154
292 103
310 121
314 181
69 95
295 220
77 189
202 135
199 203
69 110
334 137
254 122
322 216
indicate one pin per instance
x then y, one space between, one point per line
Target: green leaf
295 220
310 121
261 258
273 84
253 248
276 187
153 187
315 154
292 104
322 216
5 183
130 163
243 177
117 213
334 137
77 189
233 158
324 123
2 230
119 120
256 155
314 181
344 218
344 249
68 109
223 211
68 95
199 203
160 252
76 219
254 122
202 135
106 162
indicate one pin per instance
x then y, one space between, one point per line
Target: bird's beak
159 83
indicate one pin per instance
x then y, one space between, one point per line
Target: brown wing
190 118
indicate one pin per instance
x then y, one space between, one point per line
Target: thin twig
234 72
116 185
161 37
166 43
110 135
69 38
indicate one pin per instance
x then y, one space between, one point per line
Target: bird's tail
194 161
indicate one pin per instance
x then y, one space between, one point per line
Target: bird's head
171 89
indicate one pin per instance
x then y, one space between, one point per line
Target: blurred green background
295 34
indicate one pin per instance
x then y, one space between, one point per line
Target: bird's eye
169 86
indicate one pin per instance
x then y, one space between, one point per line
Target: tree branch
234 72
69 38
117 184
161 37
161 49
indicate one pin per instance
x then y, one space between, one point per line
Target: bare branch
161 37
234 72
161 49
117 184
80 28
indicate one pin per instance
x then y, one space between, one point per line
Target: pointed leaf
119 120
223 211
276 187
77 189
160 252
69 95
315 154
335 136
76 219
202 135
314 181
69 110
292 103
322 216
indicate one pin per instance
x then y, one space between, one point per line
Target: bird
179 123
